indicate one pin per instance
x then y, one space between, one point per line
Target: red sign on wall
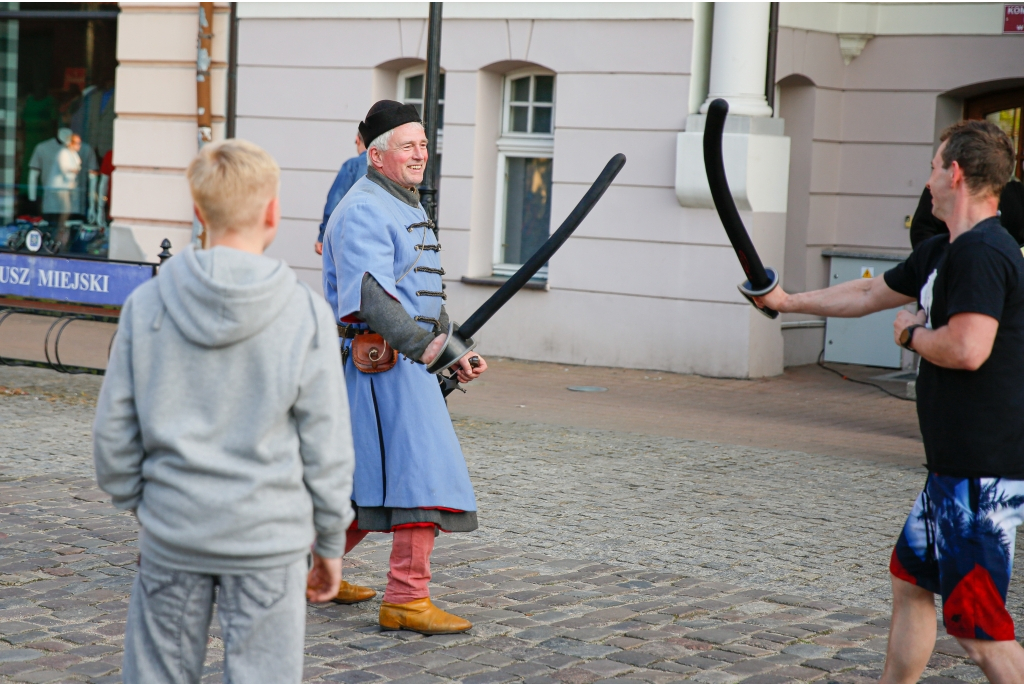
1013 18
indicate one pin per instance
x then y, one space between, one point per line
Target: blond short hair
231 182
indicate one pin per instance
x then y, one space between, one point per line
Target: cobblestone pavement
602 556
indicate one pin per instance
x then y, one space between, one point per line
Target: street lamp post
428 190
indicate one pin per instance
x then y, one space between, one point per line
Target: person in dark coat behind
351 171
1011 215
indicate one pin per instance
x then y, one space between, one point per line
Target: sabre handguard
455 348
748 292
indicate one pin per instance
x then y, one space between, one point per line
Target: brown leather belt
349 332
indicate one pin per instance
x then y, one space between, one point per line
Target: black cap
384 116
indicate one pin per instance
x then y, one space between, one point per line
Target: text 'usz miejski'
72 280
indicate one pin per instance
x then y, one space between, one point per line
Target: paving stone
538 634
574 675
635 658
830 665
394 669
352 677
674 667
797 673
768 678
49 646
7 655
718 636
701 662
47 676
419 678
458 669
749 667
714 677
807 650
860 656
372 644
577 648
494 659
92 668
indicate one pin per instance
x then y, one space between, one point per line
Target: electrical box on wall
867 340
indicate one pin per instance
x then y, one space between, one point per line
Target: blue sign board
81 281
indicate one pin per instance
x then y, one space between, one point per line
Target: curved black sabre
460 338
760 281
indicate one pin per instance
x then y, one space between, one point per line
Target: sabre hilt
750 292
455 348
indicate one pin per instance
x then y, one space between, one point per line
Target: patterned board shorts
958 542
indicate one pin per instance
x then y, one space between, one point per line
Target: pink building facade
537 97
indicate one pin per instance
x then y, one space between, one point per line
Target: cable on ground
821 363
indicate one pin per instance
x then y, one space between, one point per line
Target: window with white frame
412 86
525 159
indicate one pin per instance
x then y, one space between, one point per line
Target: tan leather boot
421 616
351 594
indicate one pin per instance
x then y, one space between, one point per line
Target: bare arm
963 343
852 299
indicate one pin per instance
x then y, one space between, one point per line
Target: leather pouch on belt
371 354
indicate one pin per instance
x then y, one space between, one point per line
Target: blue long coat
407 454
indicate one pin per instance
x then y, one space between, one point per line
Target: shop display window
58 125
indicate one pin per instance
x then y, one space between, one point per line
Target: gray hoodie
223 419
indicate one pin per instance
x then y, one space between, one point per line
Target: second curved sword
760 280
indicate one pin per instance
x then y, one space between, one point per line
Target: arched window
412 86
525 158
1004 110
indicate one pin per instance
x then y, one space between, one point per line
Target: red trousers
409 574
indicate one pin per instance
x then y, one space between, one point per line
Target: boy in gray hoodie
223 424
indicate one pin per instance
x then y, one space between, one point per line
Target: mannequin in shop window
55 162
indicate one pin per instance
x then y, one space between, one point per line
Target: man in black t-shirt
959 538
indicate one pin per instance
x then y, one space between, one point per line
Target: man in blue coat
382 275
351 171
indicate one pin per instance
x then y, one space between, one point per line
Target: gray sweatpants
262 617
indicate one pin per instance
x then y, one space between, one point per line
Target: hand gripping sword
760 281
460 338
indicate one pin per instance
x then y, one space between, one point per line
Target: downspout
231 112
773 48
204 117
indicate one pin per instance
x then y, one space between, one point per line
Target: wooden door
1004 110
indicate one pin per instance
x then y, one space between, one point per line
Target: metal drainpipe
430 112
773 45
231 112
204 117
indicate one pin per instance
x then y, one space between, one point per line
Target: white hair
381 142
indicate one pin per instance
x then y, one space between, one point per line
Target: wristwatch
907 336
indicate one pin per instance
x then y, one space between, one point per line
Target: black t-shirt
971 420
